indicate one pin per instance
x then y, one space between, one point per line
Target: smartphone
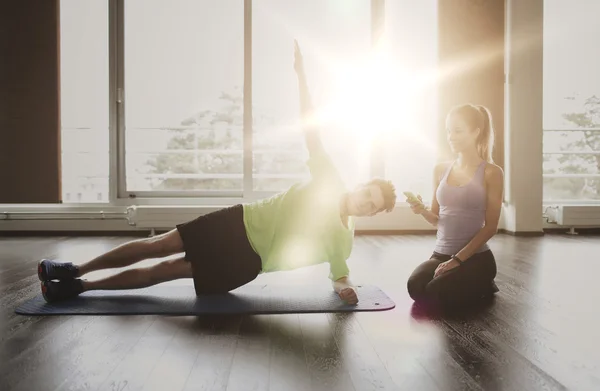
411 197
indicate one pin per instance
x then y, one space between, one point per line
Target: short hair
388 190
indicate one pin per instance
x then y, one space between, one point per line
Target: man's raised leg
121 256
164 271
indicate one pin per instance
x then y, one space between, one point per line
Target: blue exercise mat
181 300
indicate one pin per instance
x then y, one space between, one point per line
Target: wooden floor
542 331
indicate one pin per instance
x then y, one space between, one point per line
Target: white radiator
165 217
575 215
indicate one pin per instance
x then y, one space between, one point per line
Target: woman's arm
494 178
432 214
429 215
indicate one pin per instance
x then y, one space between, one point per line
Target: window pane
572 141
332 34
579 164
183 86
571 189
84 100
278 169
411 144
571 99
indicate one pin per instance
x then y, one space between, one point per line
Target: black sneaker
61 290
52 270
494 287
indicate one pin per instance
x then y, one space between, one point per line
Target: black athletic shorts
217 246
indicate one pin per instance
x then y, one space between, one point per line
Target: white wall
524 115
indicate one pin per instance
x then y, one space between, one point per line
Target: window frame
546 201
118 185
118 193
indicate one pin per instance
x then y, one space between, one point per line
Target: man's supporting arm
345 290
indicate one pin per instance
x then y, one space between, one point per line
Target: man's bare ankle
87 285
82 270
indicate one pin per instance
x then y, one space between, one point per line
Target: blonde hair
479 117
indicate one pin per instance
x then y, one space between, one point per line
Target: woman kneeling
466 206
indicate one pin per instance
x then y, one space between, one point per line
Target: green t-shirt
302 226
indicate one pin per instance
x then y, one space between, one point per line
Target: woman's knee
420 277
416 286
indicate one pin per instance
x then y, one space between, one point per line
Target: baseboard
521 233
144 233
132 233
580 231
385 232
388 232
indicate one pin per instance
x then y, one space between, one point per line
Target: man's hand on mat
349 295
445 266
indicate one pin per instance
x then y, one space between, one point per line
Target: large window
571 101
84 100
206 97
183 78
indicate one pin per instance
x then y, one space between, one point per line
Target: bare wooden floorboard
95 367
252 357
138 362
288 368
539 333
365 367
415 353
173 367
327 367
61 367
216 348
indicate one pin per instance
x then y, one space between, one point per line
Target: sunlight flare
377 98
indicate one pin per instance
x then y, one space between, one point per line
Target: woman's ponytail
485 142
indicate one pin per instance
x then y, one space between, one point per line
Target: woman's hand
418 207
445 267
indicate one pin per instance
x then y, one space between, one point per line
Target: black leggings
470 281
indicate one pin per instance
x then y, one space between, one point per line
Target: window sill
96 216
92 217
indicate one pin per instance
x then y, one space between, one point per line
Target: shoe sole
41 274
44 290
